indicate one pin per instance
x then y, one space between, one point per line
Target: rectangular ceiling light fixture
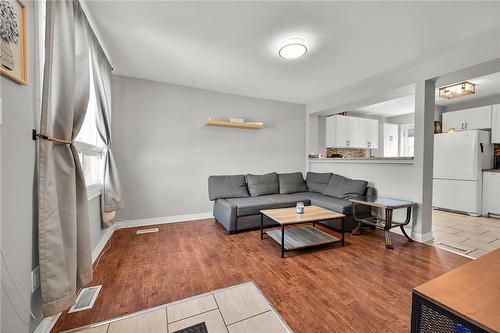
456 90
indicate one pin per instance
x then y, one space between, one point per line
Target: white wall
165 154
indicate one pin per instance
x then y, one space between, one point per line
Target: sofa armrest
371 191
225 214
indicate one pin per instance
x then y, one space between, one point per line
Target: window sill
93 191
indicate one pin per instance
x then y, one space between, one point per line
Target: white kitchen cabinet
391 140
368 133
495 123
342 131
491 193
468 119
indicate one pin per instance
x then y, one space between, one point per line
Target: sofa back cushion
341 187
263 184
316 182
222 187
291 183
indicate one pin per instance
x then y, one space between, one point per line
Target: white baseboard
162 220
102 242
421 238
48 323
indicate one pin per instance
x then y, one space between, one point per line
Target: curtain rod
95 32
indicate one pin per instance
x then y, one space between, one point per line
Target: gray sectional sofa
239 198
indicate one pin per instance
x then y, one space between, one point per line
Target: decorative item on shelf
456 90
438 127
313 156
13 51
225 123
299 208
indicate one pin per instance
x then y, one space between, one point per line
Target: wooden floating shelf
225 123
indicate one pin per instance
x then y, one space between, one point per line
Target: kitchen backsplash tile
347 152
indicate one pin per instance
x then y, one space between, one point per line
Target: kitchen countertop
403 160
491 170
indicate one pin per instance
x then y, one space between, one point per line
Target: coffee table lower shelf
302 237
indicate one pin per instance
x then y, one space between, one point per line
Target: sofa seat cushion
262 184
345 188
291 182
251 205
316 182
337 205
286 200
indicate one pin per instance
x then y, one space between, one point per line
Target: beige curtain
111 199
64 236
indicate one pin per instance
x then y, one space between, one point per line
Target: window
88 142
408 140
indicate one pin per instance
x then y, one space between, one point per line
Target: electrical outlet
35 279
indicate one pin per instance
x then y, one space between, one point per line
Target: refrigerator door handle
482 147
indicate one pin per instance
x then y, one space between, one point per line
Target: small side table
389 205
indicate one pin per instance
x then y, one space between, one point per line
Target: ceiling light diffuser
293 49
456 90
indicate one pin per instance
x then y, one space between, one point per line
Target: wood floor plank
361 287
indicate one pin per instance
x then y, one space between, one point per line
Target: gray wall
18 229
165 154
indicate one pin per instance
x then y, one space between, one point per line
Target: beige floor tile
241 303
477 253
482 245
212 319
479 229
493 233
149 322
191 307
444 236
99 329
264 323
450 230
472 235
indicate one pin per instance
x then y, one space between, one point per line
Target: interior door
456 155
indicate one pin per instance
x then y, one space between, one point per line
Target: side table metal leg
283 241
408 217
356 230
343 232
261 226
388 226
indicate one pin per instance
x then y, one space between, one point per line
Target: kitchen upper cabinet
391 140
351 132
469 119
491 193
342 131
368 133
495 123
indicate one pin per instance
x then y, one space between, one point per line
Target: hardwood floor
362 287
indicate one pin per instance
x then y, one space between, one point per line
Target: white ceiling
390 108
232 46
488 85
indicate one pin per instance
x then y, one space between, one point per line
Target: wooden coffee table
300 237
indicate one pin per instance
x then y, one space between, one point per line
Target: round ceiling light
293 49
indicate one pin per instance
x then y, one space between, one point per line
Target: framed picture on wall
13 51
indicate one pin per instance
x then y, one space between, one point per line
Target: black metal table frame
416 322
388 225
283 250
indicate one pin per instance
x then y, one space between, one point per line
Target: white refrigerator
459 159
